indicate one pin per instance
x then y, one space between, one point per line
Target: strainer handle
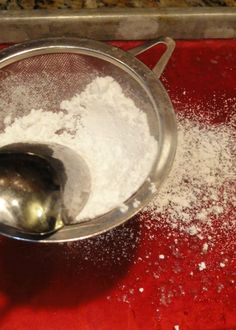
161 64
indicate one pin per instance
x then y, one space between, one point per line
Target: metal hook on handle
161 64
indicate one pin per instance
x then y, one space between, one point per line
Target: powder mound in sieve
107 129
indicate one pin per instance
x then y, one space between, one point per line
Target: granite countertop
78 4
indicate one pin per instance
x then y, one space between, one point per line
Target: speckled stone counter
77 4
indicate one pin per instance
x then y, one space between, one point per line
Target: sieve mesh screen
43 81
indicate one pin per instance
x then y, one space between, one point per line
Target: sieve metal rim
159 99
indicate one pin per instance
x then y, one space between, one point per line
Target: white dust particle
205 248
161 256
201 266
192 230
141 290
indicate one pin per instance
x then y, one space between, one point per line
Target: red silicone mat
118 281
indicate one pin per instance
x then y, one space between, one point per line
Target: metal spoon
42 187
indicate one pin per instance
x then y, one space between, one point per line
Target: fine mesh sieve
40 74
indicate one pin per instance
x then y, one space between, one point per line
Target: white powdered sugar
201 186
202 266
107 129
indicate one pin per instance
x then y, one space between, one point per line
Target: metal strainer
40 74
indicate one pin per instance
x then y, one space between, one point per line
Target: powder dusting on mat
201 186
107 129
186 233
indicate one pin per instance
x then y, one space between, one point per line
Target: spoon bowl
42 188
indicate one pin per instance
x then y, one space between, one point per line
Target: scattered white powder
201 186
154 232
201 266
107 129
205 248
192 230
161 256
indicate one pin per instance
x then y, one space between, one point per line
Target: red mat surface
117 281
